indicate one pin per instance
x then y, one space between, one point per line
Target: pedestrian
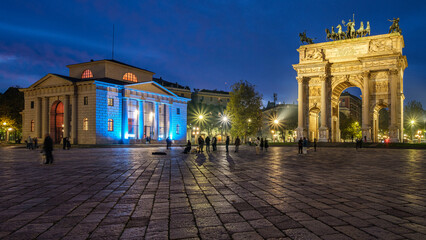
227 143
168 143
266 145
315 144
261 144
30 143
68 143
356 144
214 143
257 145
300 144
200 144
305 146
187 147
64 143
237 143
208 144
35 140
48 148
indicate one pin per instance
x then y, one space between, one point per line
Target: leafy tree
244 109
11 104
413 111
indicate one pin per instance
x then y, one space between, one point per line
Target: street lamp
200 117
412 124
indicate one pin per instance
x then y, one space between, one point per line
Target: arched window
87 74
110 125
85 124
32 126
177 129
130 77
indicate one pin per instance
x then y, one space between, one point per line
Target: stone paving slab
127 193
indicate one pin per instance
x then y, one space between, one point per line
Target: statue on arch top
305 39
395 26
350 32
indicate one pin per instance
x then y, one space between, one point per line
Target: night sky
202 44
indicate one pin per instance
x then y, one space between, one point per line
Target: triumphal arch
375 64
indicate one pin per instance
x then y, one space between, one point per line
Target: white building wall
105 112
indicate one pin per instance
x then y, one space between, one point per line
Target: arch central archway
57 121
374 64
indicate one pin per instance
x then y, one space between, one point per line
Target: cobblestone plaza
127 193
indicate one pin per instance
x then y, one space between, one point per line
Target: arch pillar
394 129
323 130
301 126
366 126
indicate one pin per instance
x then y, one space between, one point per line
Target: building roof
105 80
165 83
213 91
113 61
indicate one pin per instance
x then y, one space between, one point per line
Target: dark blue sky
202 44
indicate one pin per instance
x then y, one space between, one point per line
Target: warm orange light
87 74
130 77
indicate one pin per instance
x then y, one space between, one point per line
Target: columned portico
156 122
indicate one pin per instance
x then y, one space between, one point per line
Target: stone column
38 123
393 128
169 126
67 116
45 117
323 131
125 123
366 127
74 120
156 122
141 116
301 113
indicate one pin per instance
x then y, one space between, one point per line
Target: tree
244 109
413 112
11 104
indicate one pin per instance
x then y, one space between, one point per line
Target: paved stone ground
128 193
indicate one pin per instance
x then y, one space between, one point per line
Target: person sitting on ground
187 147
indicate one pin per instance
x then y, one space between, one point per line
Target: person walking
266 145
64 143
48 148
168 142
68 143
300 144
237 143
187 148
214 143
257 144
305 145
200 144
35 140
208 144
315 144
227 143
30 143
261 144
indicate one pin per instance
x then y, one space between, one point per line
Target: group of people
303 145
32 143
259 143
66 144
207 141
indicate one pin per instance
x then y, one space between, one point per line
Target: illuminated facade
103 102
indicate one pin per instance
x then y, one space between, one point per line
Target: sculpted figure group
350 32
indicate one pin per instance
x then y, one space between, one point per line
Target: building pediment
151 87
51 80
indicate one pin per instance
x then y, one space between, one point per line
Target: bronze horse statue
305 39
395 26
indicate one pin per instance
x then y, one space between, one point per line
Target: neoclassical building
103 102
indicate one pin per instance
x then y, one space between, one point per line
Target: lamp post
412 124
